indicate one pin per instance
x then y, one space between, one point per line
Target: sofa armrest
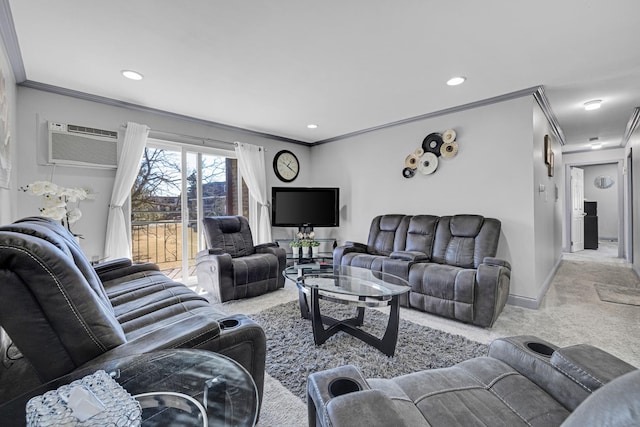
491 293
589 366
536 359
278 252
348 247
325 385
413 256
496 261
215 273
115 269
262 246
364 408
113 264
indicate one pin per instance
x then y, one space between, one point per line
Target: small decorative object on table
306 242
95 400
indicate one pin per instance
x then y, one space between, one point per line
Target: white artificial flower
40 188
52 201
74 215
54 213
75 194
300 235
312 235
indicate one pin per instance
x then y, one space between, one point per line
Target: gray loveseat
524 381
449 262
62 313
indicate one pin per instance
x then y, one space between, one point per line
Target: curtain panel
118 239
252 167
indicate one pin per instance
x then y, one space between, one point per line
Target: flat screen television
305 207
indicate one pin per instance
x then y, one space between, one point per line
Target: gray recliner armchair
232 267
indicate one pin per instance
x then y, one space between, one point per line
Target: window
176 187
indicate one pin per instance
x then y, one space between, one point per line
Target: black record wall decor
426 157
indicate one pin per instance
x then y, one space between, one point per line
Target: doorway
600 221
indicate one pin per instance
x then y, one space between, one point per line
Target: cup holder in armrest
229 323
541 349
340 386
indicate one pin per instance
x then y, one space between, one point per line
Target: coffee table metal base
386 344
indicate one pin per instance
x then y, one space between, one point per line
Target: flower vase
305 252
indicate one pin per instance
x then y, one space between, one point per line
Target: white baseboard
534 303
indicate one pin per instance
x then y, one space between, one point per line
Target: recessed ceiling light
592 105
596 146
455 81
133 75
312 126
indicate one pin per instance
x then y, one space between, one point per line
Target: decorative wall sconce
426 157
548 155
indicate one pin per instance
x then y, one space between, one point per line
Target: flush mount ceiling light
455 81
133 75
596 146
593 105
312 126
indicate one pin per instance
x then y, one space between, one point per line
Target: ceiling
276 66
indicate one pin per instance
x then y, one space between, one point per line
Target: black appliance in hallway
591 225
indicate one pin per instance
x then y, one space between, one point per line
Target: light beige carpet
619 294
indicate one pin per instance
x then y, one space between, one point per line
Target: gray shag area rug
292 354
618 294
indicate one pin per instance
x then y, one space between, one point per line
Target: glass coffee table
166 384
353 286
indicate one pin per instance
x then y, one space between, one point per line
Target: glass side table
221 386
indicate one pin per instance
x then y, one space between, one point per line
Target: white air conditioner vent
92 131
72 145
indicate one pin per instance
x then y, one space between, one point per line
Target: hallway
607 252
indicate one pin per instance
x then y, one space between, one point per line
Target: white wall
493 175
548 205
36 107
8 195
606 198
496 173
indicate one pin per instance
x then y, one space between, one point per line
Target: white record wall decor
425 158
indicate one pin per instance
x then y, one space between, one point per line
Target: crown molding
632 125
10 40
131 106
541 97
456 109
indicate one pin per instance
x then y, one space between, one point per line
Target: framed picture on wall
550 166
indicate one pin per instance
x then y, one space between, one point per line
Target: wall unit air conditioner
72 145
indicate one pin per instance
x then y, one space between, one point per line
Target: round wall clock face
286 165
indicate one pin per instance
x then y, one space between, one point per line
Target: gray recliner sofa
62 313
449 262
524 381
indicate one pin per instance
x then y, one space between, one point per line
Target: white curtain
252 168
117 240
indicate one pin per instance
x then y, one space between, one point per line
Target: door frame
621 206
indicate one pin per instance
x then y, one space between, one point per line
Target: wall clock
286 166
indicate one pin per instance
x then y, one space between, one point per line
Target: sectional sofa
62 313
449 262
524 381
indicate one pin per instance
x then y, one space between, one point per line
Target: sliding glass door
175 188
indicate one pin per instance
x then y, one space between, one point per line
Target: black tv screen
305 206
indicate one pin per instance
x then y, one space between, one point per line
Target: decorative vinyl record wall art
426 157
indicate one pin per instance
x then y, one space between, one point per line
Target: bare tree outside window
156 202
